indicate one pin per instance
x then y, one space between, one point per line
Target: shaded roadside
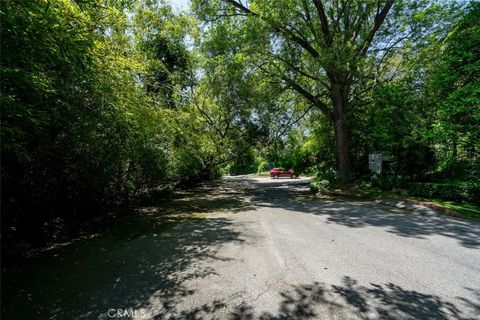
127 262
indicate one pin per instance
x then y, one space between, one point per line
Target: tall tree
326 51
455 88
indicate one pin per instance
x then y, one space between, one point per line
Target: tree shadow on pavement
353 301
146 263
136 262
295 196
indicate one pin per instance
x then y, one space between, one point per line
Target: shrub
382 182
261 167
454 191
324 179
319 186
329 174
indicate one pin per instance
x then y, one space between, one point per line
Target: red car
276 173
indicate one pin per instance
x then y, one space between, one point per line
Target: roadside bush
382 182
328 174
82 132
261 167
454 191
324 179
319 186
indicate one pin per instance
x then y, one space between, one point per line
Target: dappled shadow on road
295 196
353 301
474 303
410 225
145 263
134 262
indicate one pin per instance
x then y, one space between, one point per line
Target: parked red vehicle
276 173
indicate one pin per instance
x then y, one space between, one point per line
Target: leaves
94 108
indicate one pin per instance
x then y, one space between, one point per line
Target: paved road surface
255 248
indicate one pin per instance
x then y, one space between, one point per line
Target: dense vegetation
101 102
104 102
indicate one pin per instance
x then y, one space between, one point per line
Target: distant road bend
257 248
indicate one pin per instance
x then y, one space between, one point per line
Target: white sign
375 162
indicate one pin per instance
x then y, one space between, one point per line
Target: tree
83 127
326 51
161 36
455 90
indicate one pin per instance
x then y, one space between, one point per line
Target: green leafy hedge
455 191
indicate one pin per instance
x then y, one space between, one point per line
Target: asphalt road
256 248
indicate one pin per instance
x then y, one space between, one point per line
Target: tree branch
324 22
297 69
291 123
284 30
379 18
310 97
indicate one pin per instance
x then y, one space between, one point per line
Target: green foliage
327 54
329 174
455 191
426 118
161 37
456 90
325 178
95 112
261 167
398 125
385 183
319 186
244 164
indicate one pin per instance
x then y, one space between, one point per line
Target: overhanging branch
379 18
324 22
284 30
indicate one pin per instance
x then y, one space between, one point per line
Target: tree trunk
340 107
